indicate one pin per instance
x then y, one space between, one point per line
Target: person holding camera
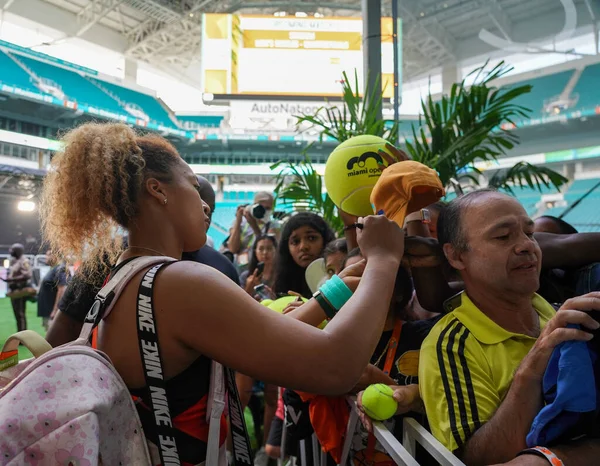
251 222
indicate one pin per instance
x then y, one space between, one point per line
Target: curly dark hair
290 276
93 187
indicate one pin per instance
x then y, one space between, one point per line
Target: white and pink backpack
69 406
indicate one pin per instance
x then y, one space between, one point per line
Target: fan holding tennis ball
378 402
352 170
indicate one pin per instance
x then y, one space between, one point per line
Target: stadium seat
202 121
587 88
150 105
530 197
585 217
544 88
13 75
225 214
74 85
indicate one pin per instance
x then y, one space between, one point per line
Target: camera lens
258 211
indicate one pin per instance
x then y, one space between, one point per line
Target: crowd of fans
458 306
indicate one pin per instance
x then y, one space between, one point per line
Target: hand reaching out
407 397
396 156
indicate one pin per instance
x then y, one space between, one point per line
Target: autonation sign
270 109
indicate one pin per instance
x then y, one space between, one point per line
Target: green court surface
8 325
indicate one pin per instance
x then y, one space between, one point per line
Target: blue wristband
336 292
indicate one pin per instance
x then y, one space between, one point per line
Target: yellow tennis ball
352 170
378 402
280 304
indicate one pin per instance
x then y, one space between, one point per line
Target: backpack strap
153 369
108 295
153 374
242 452
214 411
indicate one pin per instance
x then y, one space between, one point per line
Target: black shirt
56 276
405 370
79 295
216 260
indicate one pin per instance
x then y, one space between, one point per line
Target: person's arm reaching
235 234
426 260
508 427
372 375
328 361
582 452
568 251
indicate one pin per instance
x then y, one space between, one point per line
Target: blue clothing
208 256
571 395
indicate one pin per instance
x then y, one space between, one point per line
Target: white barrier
415 432
402 453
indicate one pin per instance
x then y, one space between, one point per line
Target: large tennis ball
351 171
378 402
280 304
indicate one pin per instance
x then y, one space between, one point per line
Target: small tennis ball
352 170
378 402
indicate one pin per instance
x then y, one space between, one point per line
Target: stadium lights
6 263
301 14
26 206
280 14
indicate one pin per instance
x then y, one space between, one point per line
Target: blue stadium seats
544 88
530 197
150 105
585 216
203 121
225 214
587 88
217 236
74 85
240 196
13 75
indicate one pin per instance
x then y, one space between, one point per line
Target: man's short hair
449 228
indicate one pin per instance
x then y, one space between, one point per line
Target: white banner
272 109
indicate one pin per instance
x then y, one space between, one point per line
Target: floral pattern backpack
68 405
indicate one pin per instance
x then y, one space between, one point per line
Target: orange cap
404 188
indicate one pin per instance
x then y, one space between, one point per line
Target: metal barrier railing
415 432
402 453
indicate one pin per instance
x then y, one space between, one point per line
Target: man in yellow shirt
481 367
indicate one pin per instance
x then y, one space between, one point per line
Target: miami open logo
358 165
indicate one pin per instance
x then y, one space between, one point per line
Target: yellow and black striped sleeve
456 383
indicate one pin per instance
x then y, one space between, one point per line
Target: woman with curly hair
108 176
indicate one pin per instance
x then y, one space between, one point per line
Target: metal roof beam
150 30
500 19
154 10
287 5
432 28
94 12
7 5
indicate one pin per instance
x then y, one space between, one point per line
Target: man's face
502 255
267 204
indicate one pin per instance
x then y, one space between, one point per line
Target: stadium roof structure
167 33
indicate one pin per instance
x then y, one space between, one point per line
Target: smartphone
263 292
260 267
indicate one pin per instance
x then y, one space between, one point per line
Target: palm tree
451 136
